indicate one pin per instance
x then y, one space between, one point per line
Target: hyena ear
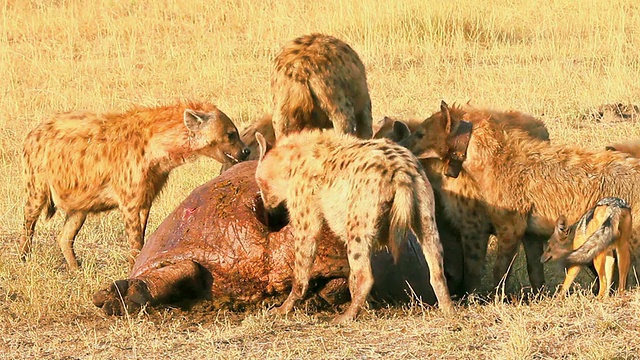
400 131
262 144
193 120
446 117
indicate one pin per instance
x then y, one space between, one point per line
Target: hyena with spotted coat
527 183
319 81
83 162
462 199
369 193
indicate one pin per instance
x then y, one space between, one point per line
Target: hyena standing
462 199
368 192
526 183
602 229
84 163
319 81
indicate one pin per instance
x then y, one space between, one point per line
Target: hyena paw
123 297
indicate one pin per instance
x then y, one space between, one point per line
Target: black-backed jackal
601 230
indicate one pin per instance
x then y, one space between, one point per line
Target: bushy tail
300 103
597 242
402 212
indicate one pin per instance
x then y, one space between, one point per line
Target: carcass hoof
122 297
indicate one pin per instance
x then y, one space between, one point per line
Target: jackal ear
193 120
561 225
400 131
446 117
263 145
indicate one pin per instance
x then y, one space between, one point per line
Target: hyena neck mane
167 141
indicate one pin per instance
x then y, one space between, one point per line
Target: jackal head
560 243
429 139
214 135
270 175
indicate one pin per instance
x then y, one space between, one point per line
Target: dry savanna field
559 60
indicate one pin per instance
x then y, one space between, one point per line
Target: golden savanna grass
554 59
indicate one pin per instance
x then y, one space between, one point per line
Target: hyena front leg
144 219
133 228
360 274
474 241
70 229
306 225
533 249
509 231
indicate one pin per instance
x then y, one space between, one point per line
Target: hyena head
213 134
271 178
560 243
394 130
429 139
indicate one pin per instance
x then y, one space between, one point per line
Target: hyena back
605 227
462 199
526 183
319 81
631 147
83 162
369 193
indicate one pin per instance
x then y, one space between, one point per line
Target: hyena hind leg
37 198
339 110
429 239
364 121
360 275
70 229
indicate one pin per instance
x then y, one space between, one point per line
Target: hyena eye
231 135
419 135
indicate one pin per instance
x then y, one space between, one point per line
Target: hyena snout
235 153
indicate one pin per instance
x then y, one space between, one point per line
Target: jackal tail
402 212
600 239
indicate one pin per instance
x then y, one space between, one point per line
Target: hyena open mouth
275 219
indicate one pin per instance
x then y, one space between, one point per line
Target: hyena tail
402 212
300 103
598 241
51 207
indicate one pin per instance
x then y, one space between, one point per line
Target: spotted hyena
368 192
318 81
462 199
83 162
527 183
264 126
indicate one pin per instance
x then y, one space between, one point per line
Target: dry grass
556 59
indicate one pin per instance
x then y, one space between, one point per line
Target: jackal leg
572 272
624 263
